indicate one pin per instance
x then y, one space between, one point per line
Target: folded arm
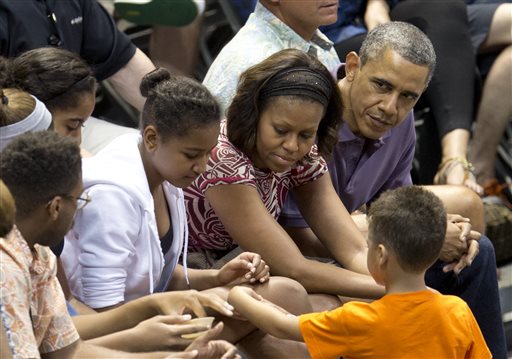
250 225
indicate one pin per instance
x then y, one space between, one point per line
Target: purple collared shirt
361 169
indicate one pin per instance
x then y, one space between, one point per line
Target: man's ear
352 63
54 207
149 136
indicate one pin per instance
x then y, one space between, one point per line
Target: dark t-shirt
81 26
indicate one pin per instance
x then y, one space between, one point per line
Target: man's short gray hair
405 39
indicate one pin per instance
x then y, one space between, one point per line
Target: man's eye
380 85
410 97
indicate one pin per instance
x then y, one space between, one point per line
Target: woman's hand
246 268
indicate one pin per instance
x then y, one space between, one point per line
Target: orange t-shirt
405 325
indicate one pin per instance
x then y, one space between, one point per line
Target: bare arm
240 209
132 313
67 352
166 332
247 267
332 224
116 319
127 80
266 316
88 350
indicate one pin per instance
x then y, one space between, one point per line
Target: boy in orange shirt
406 232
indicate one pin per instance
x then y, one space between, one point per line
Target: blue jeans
478 286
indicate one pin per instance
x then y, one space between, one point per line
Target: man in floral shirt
43 172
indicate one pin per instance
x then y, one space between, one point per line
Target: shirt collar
346 135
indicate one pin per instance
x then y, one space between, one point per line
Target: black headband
298 81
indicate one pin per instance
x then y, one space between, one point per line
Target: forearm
126 340
318 277
198 279
69 351
455 143
89 349
114 320
332 224
127 80
266 316
81 308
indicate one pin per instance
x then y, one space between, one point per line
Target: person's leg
259 345
463 201
494 113
451 92
499 34
478 286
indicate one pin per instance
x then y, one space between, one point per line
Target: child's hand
246 268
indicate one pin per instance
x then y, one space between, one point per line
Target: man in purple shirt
379 90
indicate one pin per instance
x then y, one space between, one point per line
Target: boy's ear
352 63
54 206
382 255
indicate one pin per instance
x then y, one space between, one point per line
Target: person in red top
406 232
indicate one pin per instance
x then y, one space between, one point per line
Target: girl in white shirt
127 242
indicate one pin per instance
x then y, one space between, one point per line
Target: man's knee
463 201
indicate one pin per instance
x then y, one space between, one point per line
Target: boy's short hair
410 221
38 166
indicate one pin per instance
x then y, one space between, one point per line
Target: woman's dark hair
244 113
176 104
55 76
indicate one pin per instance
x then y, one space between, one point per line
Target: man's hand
461 244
